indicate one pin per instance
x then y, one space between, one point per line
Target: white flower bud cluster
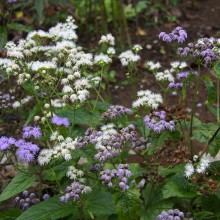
75 174
147 99
200 167
153 66
62 149
128 57
177 65
164 76
102 59
108 39
18 104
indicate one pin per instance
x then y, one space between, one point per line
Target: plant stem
218 100
193 112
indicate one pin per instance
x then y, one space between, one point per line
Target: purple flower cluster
171 214
140 144
6 101
117 177
12 1
114 112
204 49
111 146
26 150
178 34
181 76
73 191
60 121
29 131
28 199
176 85
157 122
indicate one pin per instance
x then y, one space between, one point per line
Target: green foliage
49 209
3 37
19 27
128 204
100 203
19 183
10 214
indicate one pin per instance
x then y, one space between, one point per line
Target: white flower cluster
42 65
62 149
128 57
199 168
153 66
18 104
148 99
177 65
108 39
164 76
75 174
111 51
102 59
136 48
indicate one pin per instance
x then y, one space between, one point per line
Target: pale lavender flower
171 214
5 143
12 1
157 122
29 131
60 121
115 111
178 34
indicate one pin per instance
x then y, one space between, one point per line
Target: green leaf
49 210
3 37
128 204
19 27
100 203
33 112
211 89
178 186
154 202
39 7
19 183
10 214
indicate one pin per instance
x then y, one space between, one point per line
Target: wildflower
29 131
74 190
164 76
111 51
178 34
136 48
171 214
203 165
128 57
148 99
108 39
153 66
189 170
102 59
60 121
115 111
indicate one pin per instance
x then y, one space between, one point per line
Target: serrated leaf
178 187
50 209
211 89
3 37
100 203
19 27
128 204
18 184
10 214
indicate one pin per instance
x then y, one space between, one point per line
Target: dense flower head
25 150
152 66
189 170
6 100
102 59
115 111
148 99
128 57
28 199
178 34
157 122
108 39
116 177
74 191
140 144
166 75
29 131
205 49
60 150
75 174
173 214
60 121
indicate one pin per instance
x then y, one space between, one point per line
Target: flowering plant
74 151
